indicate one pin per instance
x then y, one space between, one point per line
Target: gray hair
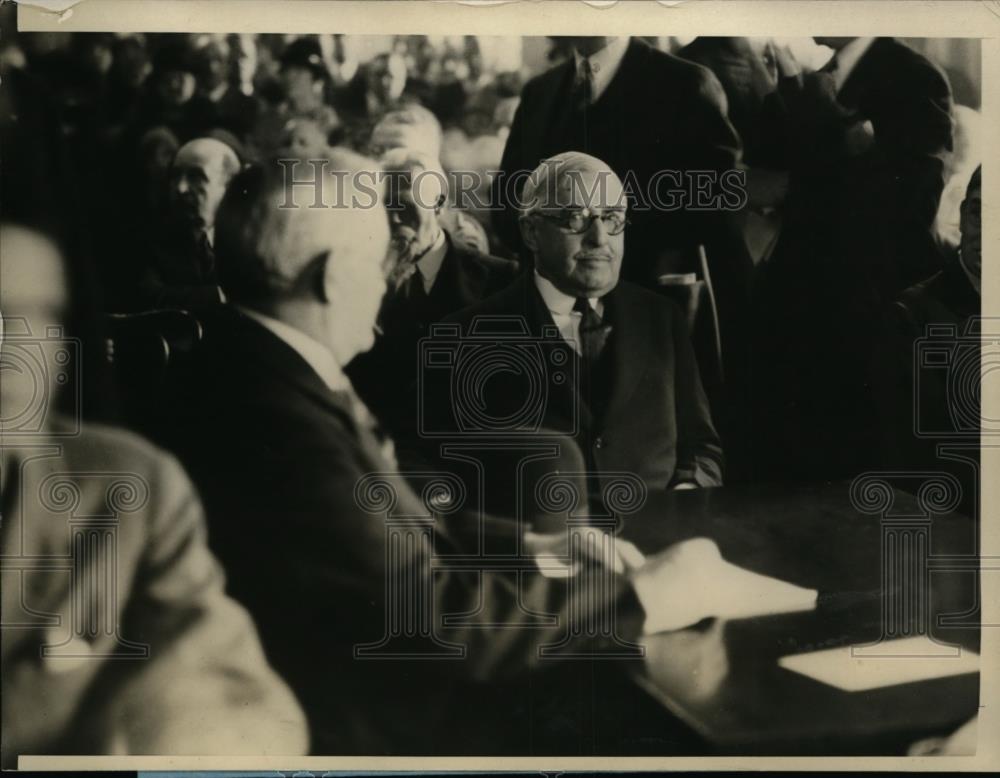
265 249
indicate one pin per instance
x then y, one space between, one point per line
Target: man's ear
528 231
324 277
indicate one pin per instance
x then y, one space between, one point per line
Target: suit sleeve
715 144
206 687
699 451
342 558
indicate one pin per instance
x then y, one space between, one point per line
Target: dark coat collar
245 345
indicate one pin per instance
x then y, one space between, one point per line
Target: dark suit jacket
384 375
658 113
946 300
746 82
857 231
652 420
877 197
277 457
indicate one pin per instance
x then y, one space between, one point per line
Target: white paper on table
894 662
691 581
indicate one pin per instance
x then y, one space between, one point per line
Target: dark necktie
414 288
593 332
583 87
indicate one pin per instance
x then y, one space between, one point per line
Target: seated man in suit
942 432
181 270
273 434
433 276
636 402
118 637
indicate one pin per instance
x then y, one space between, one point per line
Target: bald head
318 269
201 170
572 179
573 220
412 127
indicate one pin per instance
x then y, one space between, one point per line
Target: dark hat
304 53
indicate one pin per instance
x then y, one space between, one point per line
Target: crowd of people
769 337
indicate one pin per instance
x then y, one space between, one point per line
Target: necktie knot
593 330
590 317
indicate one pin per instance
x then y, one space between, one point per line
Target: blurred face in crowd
131 64
33 299
414 200
201 170
305 139
972 229
303 91
454 67
245 56
97 55
580 205
157 149
176 87
213 61
386 77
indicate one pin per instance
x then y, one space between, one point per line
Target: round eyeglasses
578 221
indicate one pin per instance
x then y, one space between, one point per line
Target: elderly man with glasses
633 400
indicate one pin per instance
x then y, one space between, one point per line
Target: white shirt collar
559 303
430 263
604 63
848 58
316 355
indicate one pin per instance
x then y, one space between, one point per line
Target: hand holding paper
690 581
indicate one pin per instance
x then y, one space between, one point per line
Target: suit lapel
630 338
459 284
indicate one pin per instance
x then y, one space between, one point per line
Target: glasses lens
614 222
575 221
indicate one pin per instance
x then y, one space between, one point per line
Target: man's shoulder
636 296
911 68
497 269
111 449
508 301
543 81
659 64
